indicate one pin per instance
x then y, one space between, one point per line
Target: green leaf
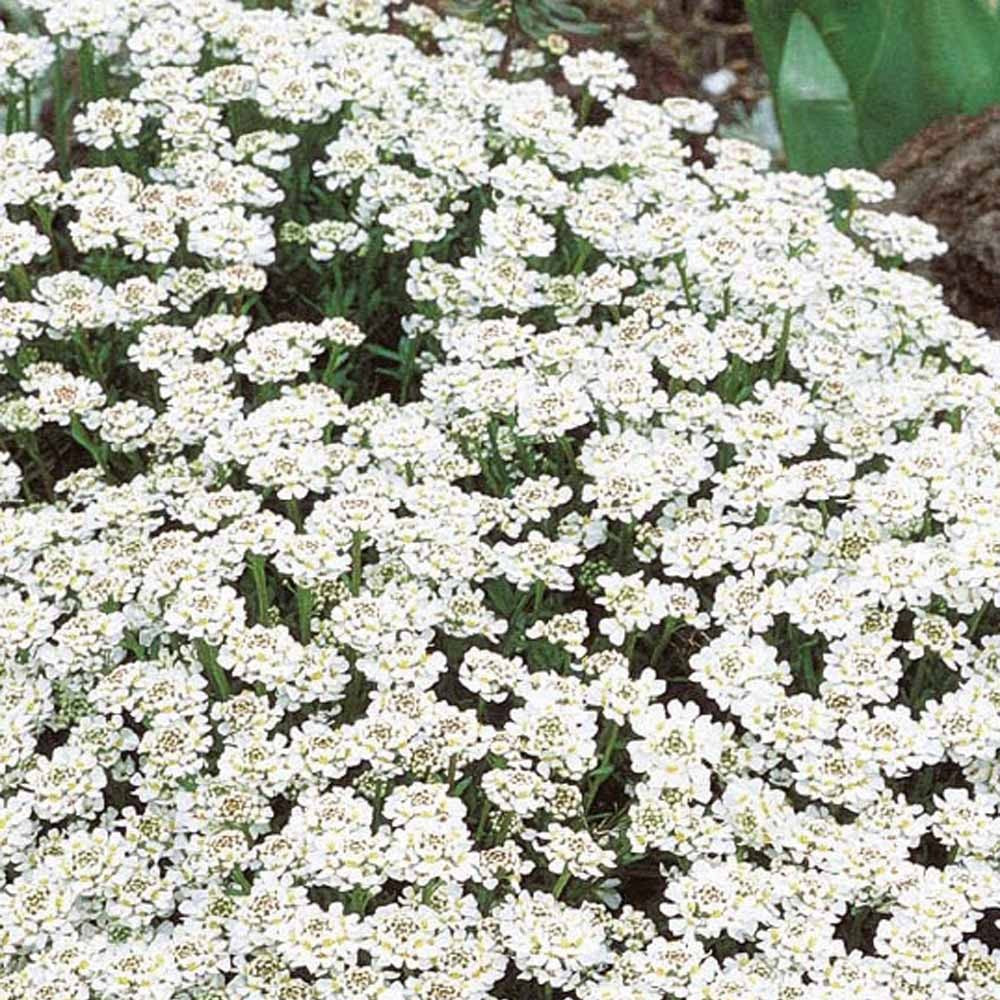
872 42
383 352
602 772
959 49
568 13
478 10
905 62
501 594
769 19
814 103
463 785
530 20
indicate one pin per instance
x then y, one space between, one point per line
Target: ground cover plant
458 545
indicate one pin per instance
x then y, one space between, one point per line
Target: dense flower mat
457 545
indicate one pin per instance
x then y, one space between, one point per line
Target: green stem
91 364
630 644
259 574
31 447
208 657
304 600
292 506
483 816
11 116
358 901
782 352
669 627
916 691
977 619
498 461
581 257
502 829
685 282
356 551
61 136
538 594
369 267
566 446
381 788
355 689
561 883
241 880
609 739
409 366
44 216
336 358
808 671
101 83
27 104
22 283
87 80
626 541
79 434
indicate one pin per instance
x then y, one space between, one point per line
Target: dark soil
672 45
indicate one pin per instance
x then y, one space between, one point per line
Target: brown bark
949 174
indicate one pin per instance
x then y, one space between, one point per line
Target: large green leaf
769 19
814 102
873 43
959 50
905 62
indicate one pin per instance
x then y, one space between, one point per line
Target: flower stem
609 739
356 546
208 655
561 883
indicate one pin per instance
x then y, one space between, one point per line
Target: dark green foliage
534 18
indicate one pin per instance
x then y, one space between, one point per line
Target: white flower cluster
455 554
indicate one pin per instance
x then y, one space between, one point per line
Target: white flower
635 605
229 236
676 743
574 851
602 73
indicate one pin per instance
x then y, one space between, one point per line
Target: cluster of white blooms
602 73
450 553
105 122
